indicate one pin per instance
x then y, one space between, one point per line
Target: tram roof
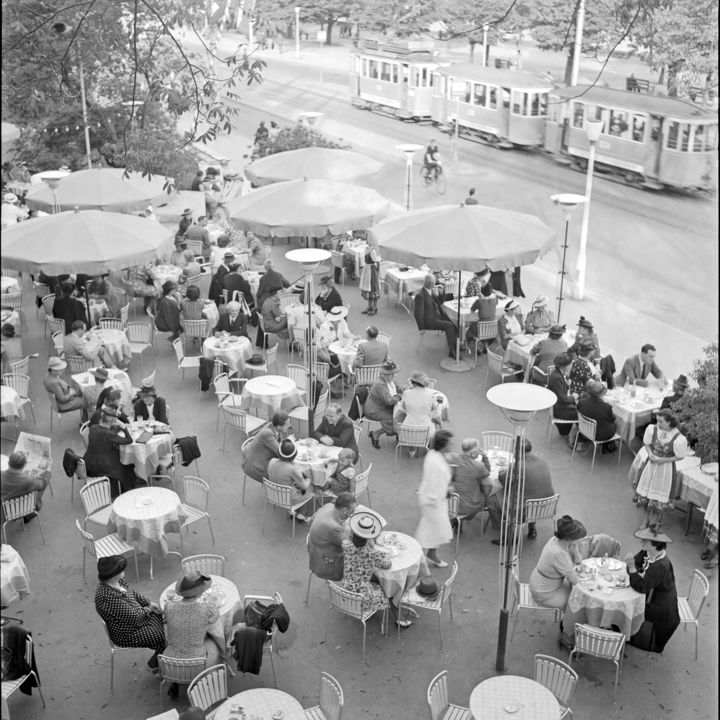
510 78
652 104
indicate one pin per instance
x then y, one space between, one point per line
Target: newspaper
37 448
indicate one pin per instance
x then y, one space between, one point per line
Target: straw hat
419 377
337 313
10 198
192 584
653 533
556 330
100 373
540 302
365 525
389 368
55 363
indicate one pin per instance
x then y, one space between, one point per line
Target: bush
294 138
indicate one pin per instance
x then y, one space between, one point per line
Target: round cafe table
268 394
407 565
11 406
312 456
264 703
511 696
346 354
115 343
9 284
163 273
14 578
144 516
145 456
233 351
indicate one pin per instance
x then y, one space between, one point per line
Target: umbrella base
456 365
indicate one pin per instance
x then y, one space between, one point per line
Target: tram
393 77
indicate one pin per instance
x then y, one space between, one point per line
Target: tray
710 468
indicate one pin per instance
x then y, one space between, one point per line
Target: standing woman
652 574
434 527
655 480
370 281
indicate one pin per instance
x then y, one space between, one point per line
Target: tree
401 17
697 409
328 12
128 53
293 138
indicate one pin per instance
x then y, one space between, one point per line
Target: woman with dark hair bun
434 528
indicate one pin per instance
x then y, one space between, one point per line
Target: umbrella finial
77 209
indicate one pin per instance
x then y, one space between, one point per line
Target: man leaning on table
79 343
325 539
337 429
470 469
17 481
637 368
429 314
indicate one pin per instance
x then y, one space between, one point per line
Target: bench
633 84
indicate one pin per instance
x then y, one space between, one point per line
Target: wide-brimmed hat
540 301
192 584
287 450
583 322
10 198
427 587
653 533
511 305
337 313
419 377
100 373
229 256
110 566
365 525
256 359
556 330
389 368
680 382
570 529
186 212
55 363
595 388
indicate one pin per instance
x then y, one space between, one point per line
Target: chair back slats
501 440
89 541
349 603
453 505
12 300
384 338
287 299
487 330
222 384
446 587
77 364
412 435
558 677
180 670
111 324
139 332
331 697
57 338
95 495
320 408
541 509
322 371
205 564
367 374
587 427
124 312
196 328
47 302
196 492
233 416
699 589
495 362
17 507
360 482
21 366
271 357
19 382
600 643
209 687
280 495
437 696
179 351
298 374
56 324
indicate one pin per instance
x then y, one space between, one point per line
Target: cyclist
432 162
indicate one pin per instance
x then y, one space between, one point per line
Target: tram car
394 77
502 107
646 140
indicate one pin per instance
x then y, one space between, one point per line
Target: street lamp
485 33
593 128
518 403
565 201
310 259
60 30
408 149
52 179
297 32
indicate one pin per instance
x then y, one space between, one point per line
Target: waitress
370 281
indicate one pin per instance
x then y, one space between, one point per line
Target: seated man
566 406
429 314
325 539
372 351
337 429
594 407
17 481
68 308
471 468
233 281
233 321
272 278
637 368
199 231
86 346
91 393
265 446
149 405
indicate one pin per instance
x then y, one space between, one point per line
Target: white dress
420 407
434 527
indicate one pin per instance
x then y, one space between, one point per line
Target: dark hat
192 713
287 450
556 330
256 359
595 388
680 382
582 322
187 211
652 532
511 305
192 584
427 587
562 360
229 256
570 529
110 566
168 286
389 368
100 373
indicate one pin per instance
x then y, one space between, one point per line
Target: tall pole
562 270
485 34
577 48
297 33
408 181
593 129
84 112
310 354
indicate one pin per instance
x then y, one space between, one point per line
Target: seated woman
10 347
585 333
510 324
582 368
167 315
340 480
381 401
191 306
554 575
187 621
282 471
149 405
274 319
538 320
595 408
142 283
652 574
131 619
486 308
565 407
418 405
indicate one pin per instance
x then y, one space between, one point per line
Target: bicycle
436 176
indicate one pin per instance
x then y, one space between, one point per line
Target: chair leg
592 464
307 594
272 665
137 572
512 634
212 534
364 630
42 534
243 492
367 490
262 529
112 667
696 641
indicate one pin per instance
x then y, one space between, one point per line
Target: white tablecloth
694 485
264 703
633 412
163 273
234 351
14 578
501 697
142 517
98 309
117 378
11 317
407 566
442 413
10 403
116 343
297 315
346 355
404 282
269 393
357 252
518 349
466 316
9 284
313 457
146 456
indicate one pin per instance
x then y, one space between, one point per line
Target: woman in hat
418 405
554 575
655 473
181 256
510 324
149 405
538 320
282 471
167 315
434 527
565 408
184 223
131 619
651 573
381 401
545 351
335 327
187 622
582 369
143 283
370 280
67 398
592 406
102 457
585 333
91 393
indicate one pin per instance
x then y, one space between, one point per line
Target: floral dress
580 373
186 628
656 483
360 564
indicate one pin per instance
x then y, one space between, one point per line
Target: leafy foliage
294 138
697 409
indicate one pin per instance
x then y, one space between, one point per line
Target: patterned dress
128 617
580 373
360 563
186 628
656 483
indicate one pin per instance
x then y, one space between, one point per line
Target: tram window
535 105
543 106
413 77
364 67
493 98
638 128
711 137
385 71
618 124
578 115
425 82
373 69
518 98
685 137
431 78
395 73
468 92
505 97
480 95
699 138
672 138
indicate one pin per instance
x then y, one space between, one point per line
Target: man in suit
566 406
271 279
88 347
337 429
150 404
637 368
235 281
326 536
372 351
68 308
429 315
199 231
17 481
233 321
549 348
471 467
265 446
329 297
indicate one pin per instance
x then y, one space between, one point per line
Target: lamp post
566 201
593 128
518 403
60 30
485 33
297 32
310 259
52 179
408 150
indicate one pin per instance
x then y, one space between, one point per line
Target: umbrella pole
457 365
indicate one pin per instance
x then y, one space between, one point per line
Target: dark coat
235 327
342 433
159 410
564 408
324 543
597 409
427 311
235 281
102 456
538 480
271 279
332 300
69 309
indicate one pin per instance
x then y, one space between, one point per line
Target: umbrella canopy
88 241
152 186
98 189
463 237
308 208
311 163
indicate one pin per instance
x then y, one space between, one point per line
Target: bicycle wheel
441 183
424 175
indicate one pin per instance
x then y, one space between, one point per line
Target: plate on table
710 468
390 550
233 339
217 597
306 442
522 339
